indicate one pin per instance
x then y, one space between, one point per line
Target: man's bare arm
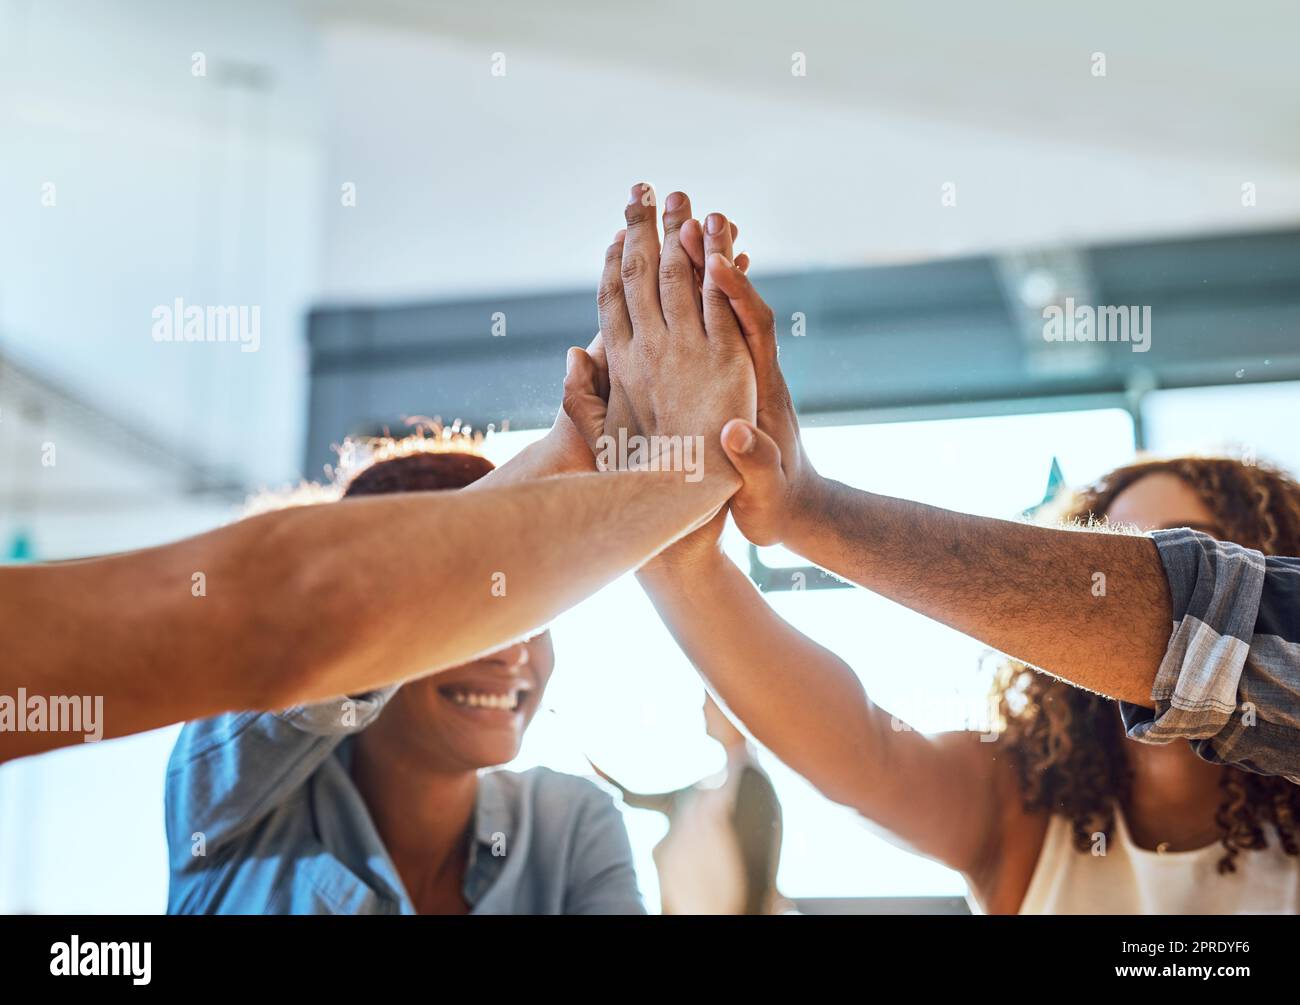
1035 593
936 793
1027 591
318 601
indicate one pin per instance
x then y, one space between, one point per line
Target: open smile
486 699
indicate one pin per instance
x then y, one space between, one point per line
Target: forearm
561 451
798 699
1092 608
808 707
319 601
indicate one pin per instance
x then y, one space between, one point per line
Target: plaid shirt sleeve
1230 679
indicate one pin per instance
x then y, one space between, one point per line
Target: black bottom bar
251 954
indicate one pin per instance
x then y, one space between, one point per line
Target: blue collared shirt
1230 679
263 818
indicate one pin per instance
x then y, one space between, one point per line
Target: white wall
474 182
166 185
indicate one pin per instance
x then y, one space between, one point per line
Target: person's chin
481 751
483 734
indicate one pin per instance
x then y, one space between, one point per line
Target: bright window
1239 419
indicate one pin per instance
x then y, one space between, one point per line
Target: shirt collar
493 814
493 833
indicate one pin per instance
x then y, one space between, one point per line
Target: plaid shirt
1230 679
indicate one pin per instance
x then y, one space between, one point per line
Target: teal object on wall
1055 484
20 548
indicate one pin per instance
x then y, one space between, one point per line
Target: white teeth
479 699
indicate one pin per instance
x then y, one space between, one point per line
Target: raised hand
677 364
780 483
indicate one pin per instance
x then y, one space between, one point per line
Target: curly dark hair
1066 742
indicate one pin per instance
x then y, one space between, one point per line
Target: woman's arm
934 793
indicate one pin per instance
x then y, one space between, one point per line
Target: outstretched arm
318 601
314 602
1191 634
935 793
1027 591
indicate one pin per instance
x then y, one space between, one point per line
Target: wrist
562 452
719 472
809 505
684 562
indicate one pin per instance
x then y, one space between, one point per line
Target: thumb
596 350
583 403
758 459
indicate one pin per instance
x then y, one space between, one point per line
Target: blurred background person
723 846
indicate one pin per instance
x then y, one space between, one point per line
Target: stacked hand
687 347
670 362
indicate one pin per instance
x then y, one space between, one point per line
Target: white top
1129 879
700 864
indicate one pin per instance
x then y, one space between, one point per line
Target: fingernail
636 193
568 361
675 200
714 223
742 441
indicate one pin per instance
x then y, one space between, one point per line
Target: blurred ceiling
841 167
1211 80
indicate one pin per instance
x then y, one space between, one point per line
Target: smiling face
472 716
